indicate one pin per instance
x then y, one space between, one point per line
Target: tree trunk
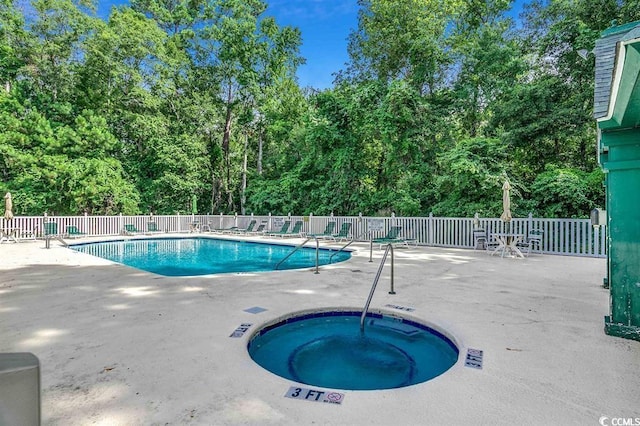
226 139
216 192
260 152
243 197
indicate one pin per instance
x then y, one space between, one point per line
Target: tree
488 59
403 39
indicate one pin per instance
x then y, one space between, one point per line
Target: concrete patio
119 346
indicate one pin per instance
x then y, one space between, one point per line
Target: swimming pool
327 349
203 256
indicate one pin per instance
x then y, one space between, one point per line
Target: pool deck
119 346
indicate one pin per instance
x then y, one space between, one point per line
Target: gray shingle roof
605 52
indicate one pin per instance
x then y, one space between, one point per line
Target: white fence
573 237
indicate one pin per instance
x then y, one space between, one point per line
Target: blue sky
325 27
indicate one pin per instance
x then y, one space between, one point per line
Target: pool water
203 256
328 350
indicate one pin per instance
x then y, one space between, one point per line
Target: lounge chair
223 230
248 229
327 233
259 230
50 229
343 234
130 229
392 237
296 231
74 232
152 227
283 230
26 234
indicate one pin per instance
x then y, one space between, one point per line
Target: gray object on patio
19 389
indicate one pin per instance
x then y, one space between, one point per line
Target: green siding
620 158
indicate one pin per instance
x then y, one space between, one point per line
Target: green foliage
471 180
566 192
440 102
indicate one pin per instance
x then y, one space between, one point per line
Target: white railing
573 237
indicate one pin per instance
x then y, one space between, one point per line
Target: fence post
430 229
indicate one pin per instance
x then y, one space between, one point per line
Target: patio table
507 244
9 234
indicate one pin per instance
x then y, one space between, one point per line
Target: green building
617 111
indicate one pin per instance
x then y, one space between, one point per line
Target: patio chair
74 232
152 227
343 234
296 231
283 230
327 233
392 237
533 242
479 239
130 229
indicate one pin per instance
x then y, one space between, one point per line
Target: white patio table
9 234
507 244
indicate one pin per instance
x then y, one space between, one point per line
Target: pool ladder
299 246
375 283
346 245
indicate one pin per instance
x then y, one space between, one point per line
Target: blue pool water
202 256
328 350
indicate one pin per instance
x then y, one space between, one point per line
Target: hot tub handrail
299 246
375 283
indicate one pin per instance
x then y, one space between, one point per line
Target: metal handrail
346 245
299 246
375 283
